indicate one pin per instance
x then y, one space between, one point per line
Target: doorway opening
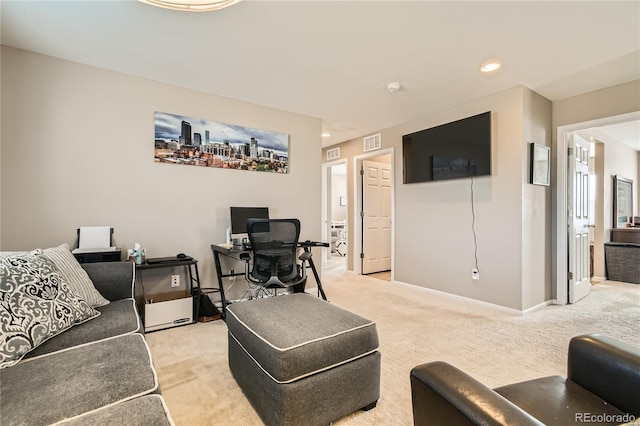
599 224
334 217
373 215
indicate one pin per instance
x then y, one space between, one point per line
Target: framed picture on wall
198 142
540 167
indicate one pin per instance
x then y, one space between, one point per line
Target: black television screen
454 150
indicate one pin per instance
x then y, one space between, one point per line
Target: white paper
92 237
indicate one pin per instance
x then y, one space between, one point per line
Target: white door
376 216
578 223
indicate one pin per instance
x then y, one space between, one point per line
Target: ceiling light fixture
491 65
192 5
326 135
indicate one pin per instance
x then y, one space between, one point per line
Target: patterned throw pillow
35 305
4 254
78 279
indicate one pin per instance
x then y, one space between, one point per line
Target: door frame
324 217
356 247
560 260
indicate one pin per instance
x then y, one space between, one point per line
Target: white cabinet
168 310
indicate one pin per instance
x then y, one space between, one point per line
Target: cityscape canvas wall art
198 142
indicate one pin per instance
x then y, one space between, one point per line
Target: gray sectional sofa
97 372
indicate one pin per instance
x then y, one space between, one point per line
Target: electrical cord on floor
247 295
232 280
473 228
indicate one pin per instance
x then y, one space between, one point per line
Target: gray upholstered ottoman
303 361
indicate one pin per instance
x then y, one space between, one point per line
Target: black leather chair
274 246
602 387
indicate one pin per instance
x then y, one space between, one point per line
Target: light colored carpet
414 327
386 275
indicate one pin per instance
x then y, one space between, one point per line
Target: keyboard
171 259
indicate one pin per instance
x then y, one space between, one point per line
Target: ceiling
334 59
627 133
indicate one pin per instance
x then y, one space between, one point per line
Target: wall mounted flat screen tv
454 150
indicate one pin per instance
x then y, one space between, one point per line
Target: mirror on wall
622 201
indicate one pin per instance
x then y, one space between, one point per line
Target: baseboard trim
538 306
474 301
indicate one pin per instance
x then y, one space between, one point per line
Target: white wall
434 238
338 189
536 206
607 102
77 150
612 159
434 242
620 160
599 234
434 245
516 240
0 145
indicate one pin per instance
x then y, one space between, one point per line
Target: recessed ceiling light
491 65
326 135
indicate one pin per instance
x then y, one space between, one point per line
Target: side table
173 304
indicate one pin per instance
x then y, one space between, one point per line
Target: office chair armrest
305 256
245 257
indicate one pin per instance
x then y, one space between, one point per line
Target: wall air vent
333 153
372 142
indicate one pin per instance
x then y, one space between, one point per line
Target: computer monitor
239 216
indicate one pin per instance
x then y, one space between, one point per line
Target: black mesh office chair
274 244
